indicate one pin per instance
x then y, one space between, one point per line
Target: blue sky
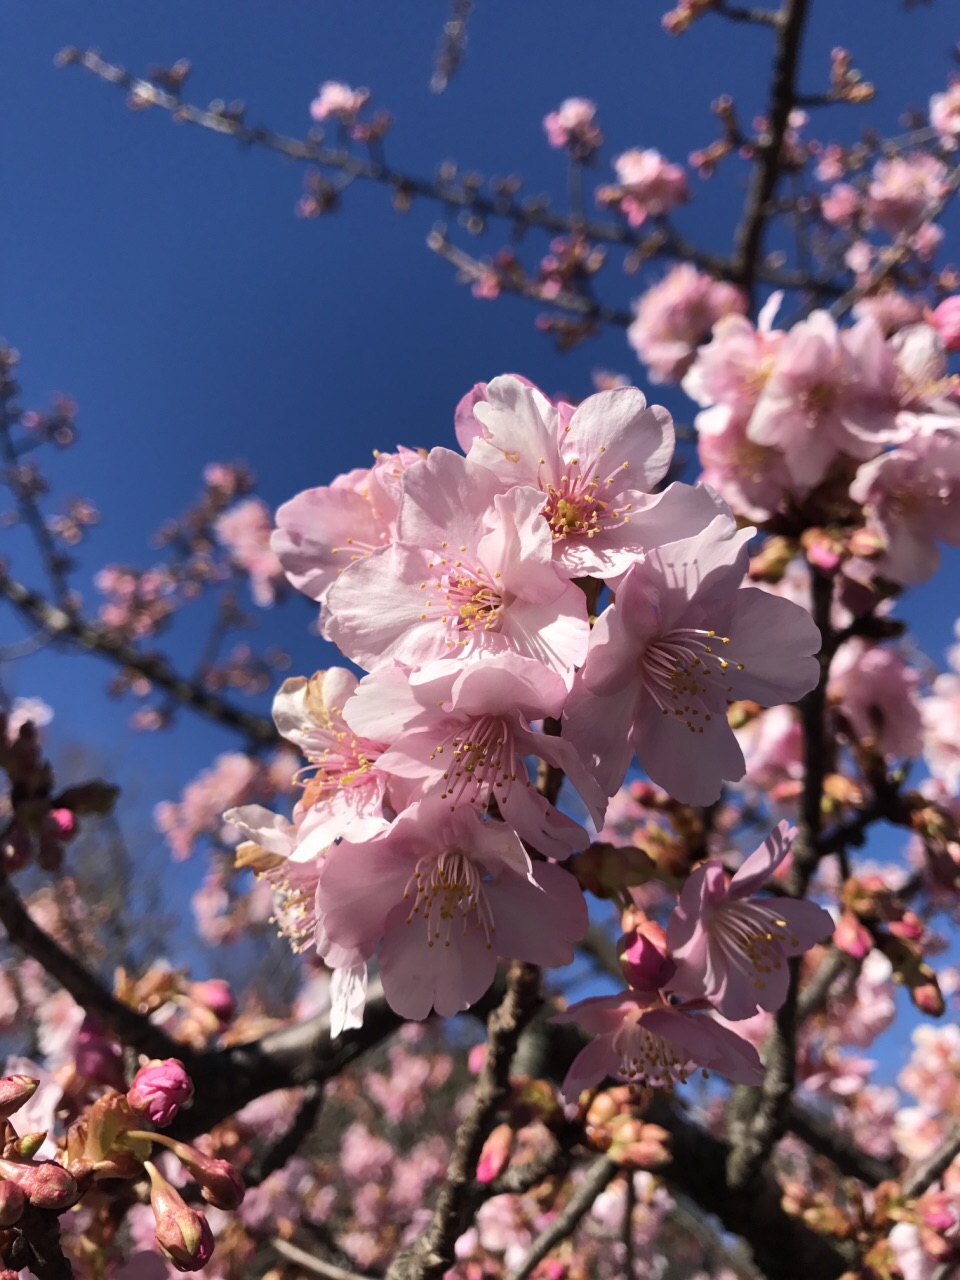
159 276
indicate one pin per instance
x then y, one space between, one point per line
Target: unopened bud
495 1153
215 995
14 1092
183 1235
159 1089
45 1184
12 1202
26 1146
643 957
635 1143
852 937
220 1184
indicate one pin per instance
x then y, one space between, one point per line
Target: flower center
753 937
482 760
465 599
448 889
340 760
686 675
574 507
646 1058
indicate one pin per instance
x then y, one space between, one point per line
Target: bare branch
310 1262
59 624
936 1164
131 1027
822 1136
599 1175
748 240
432 1254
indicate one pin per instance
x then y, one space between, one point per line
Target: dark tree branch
599 1175
935 1166
521 214
432 1254
744 13
822 1136
131 1027
748 240
59 624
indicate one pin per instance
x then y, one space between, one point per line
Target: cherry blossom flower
903 190
945 318
594 466
731 947
828 394
879 696
344 784
245 531
572 127
337 101
681 639
322 532
463 732
472 570
447 892
945 114
675 315
641 1039
910 496
648 185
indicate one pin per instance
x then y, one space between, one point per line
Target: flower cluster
537 597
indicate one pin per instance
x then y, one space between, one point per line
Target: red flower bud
12 1202
215 995
14 1092
159 1090
220 1184
183 1235
45 1184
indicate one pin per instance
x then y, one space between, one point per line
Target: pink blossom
674 316
322 532
772 745
878 694
463 732
447 892
648 186
681 640
472 571
903 190
941 722
594 467
911 498
572 126
891 310
160 1089
229 781
841 204
245 531
273 843
946 317
343 785
829 394
337 101
27 711
945 114
731 947
641 1039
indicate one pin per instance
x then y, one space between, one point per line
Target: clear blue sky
158 274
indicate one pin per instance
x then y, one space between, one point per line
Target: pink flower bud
12 1202
14 1092
643 958
63 823
946 320
220 1184
45 1184
495 1153
159 1090
183 1235
852 937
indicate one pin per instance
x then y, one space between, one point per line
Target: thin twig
748 239
599 1175
822 1136
432 1254
936 1164
104 642
319 1266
